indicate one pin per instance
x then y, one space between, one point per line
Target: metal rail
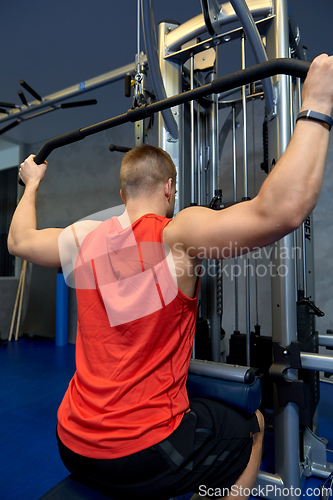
317 362
223 371
70 92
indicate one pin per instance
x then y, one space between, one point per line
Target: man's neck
135 210
128 218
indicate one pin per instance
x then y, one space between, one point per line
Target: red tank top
134 343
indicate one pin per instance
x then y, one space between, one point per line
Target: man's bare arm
287 196
42 246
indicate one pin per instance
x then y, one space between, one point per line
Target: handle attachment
56 142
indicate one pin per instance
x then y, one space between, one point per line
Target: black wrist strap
318 117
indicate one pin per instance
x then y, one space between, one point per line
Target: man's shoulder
83 228
189 214
182 224
72 236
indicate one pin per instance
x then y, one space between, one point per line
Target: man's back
134 342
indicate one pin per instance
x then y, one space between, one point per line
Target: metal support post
171 76
284 320
199 157
194 186
213 265
246 197
213 140
234 161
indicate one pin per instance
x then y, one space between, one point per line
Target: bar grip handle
266 69
120 149
39 159
56 142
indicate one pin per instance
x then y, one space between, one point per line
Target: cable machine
293 337
189 94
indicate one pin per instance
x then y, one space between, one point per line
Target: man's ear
122 196
167 189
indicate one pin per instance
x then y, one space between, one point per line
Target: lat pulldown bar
292 67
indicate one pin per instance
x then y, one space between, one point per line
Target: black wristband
318 117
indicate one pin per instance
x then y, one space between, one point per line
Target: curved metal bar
205 13
152 55
196 26
272 67
252 33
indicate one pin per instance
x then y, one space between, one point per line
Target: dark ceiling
53 45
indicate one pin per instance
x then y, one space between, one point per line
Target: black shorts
210 448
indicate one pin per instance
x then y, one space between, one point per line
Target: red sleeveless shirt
134 343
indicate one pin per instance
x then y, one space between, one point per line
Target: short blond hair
143 168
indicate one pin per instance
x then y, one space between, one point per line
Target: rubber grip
292 67
120 149
77 104
30 90
22 97
7 104
56 142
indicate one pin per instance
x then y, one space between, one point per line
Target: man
125 421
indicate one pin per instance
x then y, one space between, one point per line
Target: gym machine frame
289 471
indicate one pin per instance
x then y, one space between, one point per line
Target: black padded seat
71 489
233 385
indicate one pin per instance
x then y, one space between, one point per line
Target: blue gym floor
34 375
